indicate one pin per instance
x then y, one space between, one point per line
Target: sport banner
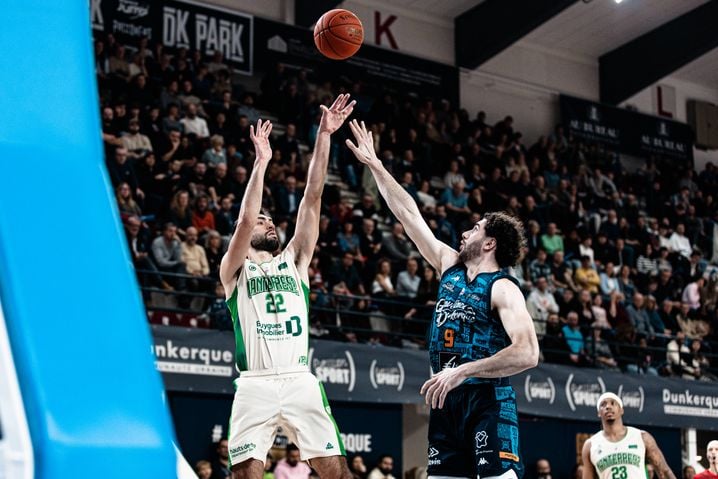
179 24
627 131
203 361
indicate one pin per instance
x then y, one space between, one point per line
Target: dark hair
508 232
291 447
167 226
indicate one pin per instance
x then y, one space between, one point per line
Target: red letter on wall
384 28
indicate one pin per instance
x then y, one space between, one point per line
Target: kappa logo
433 452
481 439
483 461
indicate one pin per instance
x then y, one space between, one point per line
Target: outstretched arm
307 231
249 211
521 354
655 457
438 254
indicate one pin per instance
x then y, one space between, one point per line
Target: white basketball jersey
625 459
270 313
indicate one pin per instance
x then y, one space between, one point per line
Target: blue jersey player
480 335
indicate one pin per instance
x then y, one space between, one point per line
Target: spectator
225 217
552 241
202 217
180 213
407 282
247 108
383 469
689 472
291 467
216 154
539 268
139 244
601 352
220 467
121 171
561 272
269 466
167 252
193 255
219 184
357 467
369 240
382 286
194 124
540 303
609 282
639 317
214 250
288 197
345 272
574 340
692 293
679 243
203 469
678 355
396 245
543 469
586 276
126 204
136 144
217 311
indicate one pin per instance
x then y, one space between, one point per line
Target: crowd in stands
619 270
287 464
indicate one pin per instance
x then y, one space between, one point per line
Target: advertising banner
179 24
203 361
627 131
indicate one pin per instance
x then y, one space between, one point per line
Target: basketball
338 34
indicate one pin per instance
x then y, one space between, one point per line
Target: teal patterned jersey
464 326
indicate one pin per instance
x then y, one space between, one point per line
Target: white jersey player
267 296
619 451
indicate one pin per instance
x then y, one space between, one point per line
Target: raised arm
655 457
249 211
307 232
521 354
440 255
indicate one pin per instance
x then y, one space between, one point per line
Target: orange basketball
338 34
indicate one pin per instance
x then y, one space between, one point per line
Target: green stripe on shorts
327 408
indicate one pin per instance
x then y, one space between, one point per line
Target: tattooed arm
655 457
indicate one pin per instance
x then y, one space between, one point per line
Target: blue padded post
76 325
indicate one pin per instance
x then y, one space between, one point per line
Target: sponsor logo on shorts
243 449
329 446
434 462
433 452
481 439
483 462
509 456
448 360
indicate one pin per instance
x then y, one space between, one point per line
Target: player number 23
619 472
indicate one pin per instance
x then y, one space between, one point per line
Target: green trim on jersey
327 408
306 290
240 352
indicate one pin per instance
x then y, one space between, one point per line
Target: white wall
534 108
416 33
279 10
646 102
524 81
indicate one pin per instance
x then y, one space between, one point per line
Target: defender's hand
436 388
364 149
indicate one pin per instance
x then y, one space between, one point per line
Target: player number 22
449 343
275 303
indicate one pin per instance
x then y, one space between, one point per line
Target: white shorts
295 402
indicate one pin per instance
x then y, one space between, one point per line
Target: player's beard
262 242
471 251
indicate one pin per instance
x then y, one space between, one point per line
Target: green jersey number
619 472
275 303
